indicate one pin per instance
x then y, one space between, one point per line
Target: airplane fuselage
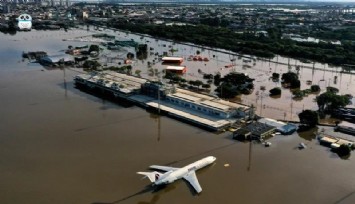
172 173
172 176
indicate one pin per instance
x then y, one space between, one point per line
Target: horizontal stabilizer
153 176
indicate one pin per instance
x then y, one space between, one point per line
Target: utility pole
291 108
159 81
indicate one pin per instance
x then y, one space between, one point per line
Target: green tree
198 83
91 64
206 86
129 69
329 101
289 77
298 93
173 77
344 150
227 90
217 79
275 75
275 91
332 89
138 72
94 48
309 118
130 55
237 78
248 43
295 84
315 88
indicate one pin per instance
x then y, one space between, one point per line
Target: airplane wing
192 179
163 168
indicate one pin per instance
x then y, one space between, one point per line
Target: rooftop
257 128
172 58
175 67
202 120
111 79
208 101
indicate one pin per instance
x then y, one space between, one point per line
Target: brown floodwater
61 145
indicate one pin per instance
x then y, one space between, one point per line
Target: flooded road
60 145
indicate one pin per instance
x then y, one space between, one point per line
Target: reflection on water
147 189
309 134
250 154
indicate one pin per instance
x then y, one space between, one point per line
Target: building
176 69
205 111
172 60
241 134
254 130
345 129
56 59
333 142
6 8
207 105
287 129
271 122
151 89
116 83
283 128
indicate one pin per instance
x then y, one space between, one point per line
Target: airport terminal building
208 105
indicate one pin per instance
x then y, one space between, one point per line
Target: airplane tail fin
153 176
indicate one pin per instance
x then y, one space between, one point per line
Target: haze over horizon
234 1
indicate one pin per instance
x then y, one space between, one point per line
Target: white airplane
172 174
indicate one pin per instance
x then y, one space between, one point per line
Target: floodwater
60 145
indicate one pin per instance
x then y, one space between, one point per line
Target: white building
208 105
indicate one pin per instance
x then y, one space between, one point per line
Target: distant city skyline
277 1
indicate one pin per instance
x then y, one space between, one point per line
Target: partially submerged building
255 130
283 128
172 60
345 129
176 69
333 142
116 83
287 129
54 60
200 109
208 105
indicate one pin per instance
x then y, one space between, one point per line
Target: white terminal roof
216 105
187 97
179 68
207 101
